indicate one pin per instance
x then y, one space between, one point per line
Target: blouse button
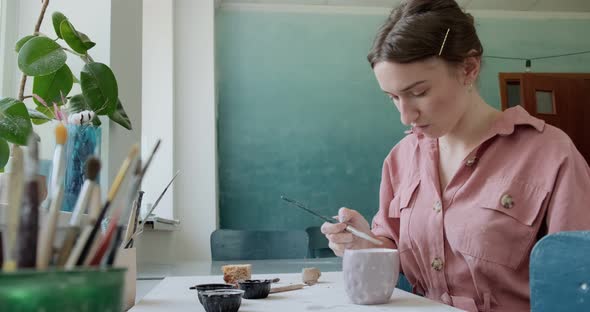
470 162
437 264
507 201
437 206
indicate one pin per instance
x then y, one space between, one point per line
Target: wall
300 111
192 130
126 63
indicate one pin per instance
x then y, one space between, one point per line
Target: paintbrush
110 245
29 216
123 171
94 213
59 160
47 233
133 226
135 197
14 194
149 160
91 172
131 222
94 207
142 222
349 228
159 198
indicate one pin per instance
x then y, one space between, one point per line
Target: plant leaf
78 104
57 18
96 121
21 42
120 116
78 41
87 42
51 86
39 118
4 154
99 87
15 122
41 56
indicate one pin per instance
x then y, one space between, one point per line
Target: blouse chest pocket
401 207
503 226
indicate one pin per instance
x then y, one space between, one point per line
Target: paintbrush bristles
137 170
92 168
121 175
61 134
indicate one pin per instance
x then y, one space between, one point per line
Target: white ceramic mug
370 275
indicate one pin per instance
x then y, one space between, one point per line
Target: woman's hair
416 30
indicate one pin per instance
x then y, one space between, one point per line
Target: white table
173 294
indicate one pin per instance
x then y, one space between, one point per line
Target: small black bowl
204 287
255 289
222 300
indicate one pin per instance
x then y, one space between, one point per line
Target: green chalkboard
300 113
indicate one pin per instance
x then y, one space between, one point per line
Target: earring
470 88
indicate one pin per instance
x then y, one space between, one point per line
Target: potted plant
44 58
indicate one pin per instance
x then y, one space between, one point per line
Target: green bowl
82 290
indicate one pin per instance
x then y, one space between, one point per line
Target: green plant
44 59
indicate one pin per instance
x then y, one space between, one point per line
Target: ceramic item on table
222 300
205 287
310 276
370 275
255 289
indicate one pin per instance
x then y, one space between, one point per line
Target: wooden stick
286 288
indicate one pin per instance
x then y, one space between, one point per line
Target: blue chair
258 244
318 244
560 272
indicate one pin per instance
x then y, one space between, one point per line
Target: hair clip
444 41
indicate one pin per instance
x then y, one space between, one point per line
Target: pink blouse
469 245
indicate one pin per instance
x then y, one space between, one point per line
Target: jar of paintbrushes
74 270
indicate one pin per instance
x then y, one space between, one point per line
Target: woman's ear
471 68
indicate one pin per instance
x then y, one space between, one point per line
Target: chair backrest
258 245
318 243
560 272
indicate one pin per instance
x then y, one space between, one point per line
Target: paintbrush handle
93 250
129 241
92 235
95 205
14 195
81 203
80 243
130 223
105 242
45 245
275 290
115 246
363 235
68 245
29 226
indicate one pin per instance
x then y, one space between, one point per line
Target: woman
466 195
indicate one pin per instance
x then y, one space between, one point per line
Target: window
545 102
8 27
513 90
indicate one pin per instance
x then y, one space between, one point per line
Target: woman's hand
340 239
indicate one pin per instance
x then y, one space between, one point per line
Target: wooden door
563 102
